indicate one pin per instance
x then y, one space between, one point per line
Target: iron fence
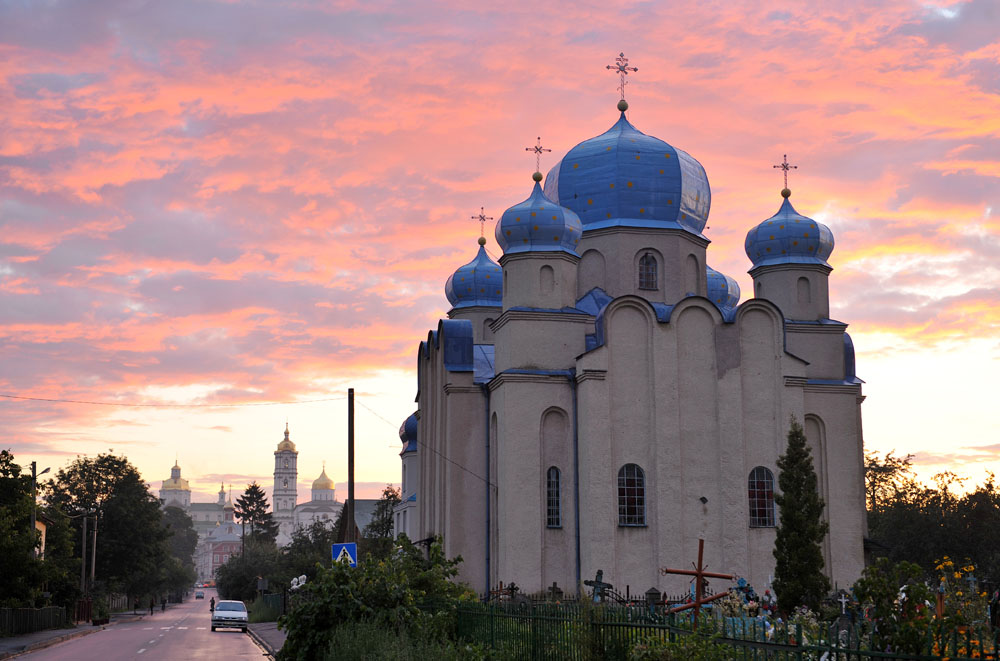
576 631
17 621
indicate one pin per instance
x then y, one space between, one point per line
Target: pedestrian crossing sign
346 553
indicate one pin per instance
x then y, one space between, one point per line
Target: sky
224 214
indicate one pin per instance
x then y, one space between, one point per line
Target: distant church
600 399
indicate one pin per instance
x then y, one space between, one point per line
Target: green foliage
798 574
183 538
237 578
901 621
261 611
251 509
309 547
368 641
21 578
377 535
130 538
919 523
405 590
692 647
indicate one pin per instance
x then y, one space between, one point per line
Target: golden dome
286 444
322 482
175 484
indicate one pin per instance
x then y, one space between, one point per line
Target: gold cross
622 68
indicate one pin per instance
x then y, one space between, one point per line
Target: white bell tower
284 495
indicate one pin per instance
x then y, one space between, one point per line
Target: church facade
601 399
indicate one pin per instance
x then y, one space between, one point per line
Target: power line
424 445
165 405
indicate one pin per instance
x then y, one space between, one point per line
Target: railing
17 621
583 631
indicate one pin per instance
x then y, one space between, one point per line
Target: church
601 399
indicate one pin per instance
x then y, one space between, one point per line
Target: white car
230 614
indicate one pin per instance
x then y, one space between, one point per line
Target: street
182 632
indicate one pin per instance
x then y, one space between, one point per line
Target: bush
691 647
366 641
261 611
407 590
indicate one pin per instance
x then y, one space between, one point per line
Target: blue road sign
346 553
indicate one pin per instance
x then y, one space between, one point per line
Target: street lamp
34 499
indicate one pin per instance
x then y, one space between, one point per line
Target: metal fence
17 621
584 632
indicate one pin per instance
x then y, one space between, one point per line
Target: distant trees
798 573
251 509
377 537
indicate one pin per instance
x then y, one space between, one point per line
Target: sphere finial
537 176
623 105
786 193
482 240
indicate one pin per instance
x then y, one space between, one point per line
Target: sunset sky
252 204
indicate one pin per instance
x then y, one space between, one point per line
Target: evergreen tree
798 573
183 537
251 509
377 537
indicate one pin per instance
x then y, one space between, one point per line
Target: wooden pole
350 533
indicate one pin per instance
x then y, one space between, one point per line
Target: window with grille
647 272
553 517
760 490
631 496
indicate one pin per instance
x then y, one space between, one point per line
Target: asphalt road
183 632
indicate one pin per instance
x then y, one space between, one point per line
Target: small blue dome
480 282
722 290
625 178
538 225
788 237
408 434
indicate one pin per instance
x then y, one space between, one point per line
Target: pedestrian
135 608
163 604
211 605
152 604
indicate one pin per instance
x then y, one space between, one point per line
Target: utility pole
83 557
350 537
93 554
34 500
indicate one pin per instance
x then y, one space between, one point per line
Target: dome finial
537 149
785 167
622 68
482 218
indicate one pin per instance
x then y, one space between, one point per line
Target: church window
286 463
760 490
648 272
631 496
553 515
285 483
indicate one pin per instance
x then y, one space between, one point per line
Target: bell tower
284 495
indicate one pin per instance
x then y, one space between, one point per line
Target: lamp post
34 499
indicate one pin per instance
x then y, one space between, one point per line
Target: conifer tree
798 573
251 510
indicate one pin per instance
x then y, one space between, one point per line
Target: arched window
647 272
553 518
631 496
760 490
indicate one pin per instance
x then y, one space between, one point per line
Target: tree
183 538
130 538
377 535
21 579
798 573
252 509
310 547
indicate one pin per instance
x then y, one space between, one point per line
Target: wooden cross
599 586
555 592
700 575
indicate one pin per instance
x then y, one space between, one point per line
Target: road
182 632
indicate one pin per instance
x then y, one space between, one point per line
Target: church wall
822 346
481 317
592 272
781 285
832 427
539 339
539 280
558 543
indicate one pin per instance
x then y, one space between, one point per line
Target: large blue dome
408 434
722 290
538 225
480 282
625 178
788 237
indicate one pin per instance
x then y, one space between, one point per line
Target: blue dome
625 178
788 237
722 290
408 434
480 282
538 225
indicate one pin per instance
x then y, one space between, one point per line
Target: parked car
230 614
199 595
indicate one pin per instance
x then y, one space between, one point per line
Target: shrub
691 647
366 641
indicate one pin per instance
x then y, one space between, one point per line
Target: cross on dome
622 68
482 218
538 149
785 167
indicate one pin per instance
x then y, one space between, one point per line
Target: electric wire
166 405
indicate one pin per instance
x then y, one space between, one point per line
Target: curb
49 642
261 643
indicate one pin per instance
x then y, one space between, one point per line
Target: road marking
182 628
141 651
165 628
147 628
201 628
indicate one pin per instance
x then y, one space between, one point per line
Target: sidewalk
267 636
17 645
